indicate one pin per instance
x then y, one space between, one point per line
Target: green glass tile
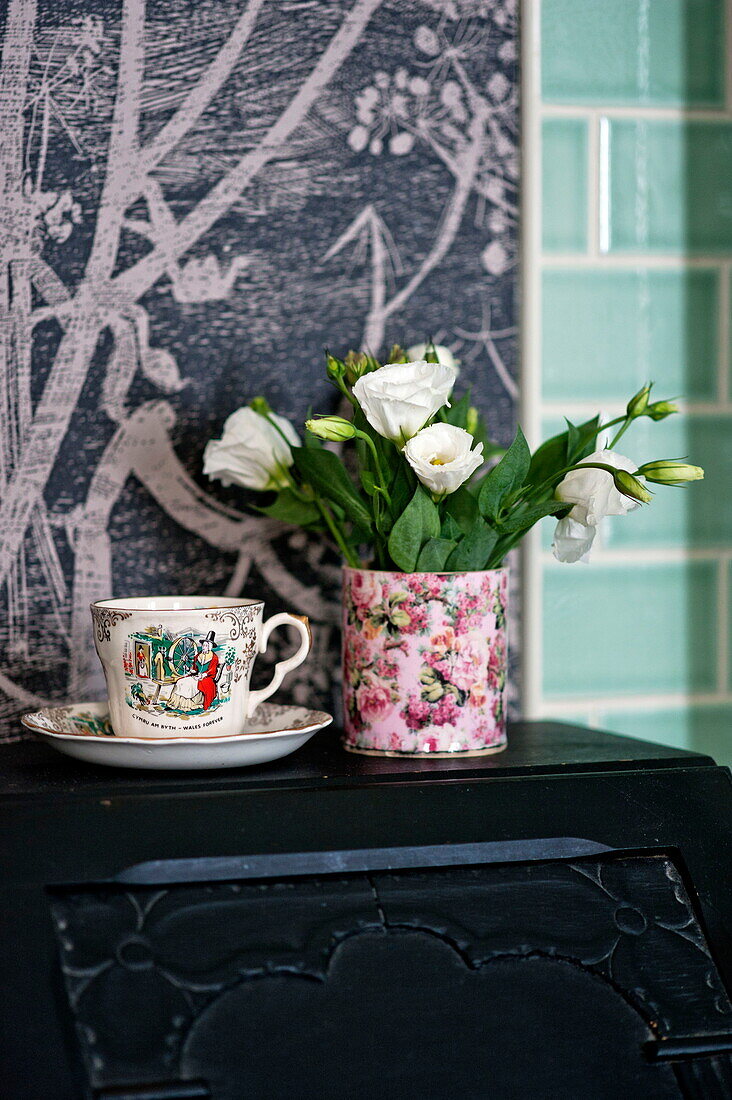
729 625
699 515
605 333
629 629
670 186
564 185
706 729
729 376
633 51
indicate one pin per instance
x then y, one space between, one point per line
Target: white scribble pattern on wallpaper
194 199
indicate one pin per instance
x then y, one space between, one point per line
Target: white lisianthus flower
572 540
442 458
593 492
593 495
398 399
443 354
251 452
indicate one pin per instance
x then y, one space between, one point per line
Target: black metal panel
320 811
516 980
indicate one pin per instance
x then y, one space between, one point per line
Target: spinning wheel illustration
182 654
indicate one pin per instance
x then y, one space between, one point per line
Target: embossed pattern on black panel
629 920
544 978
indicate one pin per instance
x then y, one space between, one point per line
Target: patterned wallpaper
197 196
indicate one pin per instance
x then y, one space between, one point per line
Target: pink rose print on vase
365 592
424 662
374 699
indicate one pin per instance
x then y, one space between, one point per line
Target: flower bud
659 410
638 404
442 353
430 354
472 420
260 405
333 428
397 355
356 364
631 487
334 368
667 471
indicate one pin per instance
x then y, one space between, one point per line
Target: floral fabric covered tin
424 662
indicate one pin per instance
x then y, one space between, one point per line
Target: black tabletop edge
31 769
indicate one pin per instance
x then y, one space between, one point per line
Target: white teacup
179 666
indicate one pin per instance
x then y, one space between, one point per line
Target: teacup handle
282 667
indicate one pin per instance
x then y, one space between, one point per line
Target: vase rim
425 572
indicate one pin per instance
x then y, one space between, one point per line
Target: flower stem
341 385
566 469
277 428
377 465
295 489
337 535
624 428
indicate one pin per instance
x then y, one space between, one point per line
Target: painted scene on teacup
186 673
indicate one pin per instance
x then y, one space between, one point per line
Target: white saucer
84 731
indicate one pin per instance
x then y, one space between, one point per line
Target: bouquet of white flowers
428 491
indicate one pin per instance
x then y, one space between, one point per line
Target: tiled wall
634 255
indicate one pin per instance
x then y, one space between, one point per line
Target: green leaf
367 482
383 520
434 554
463 507
522 521
401 489
450 529
480 435
430 515
359 536
586 440
325 472
553 455
574 439
458 413
289 509
473 551
419 522
505 478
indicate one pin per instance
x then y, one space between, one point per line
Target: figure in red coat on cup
197 690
